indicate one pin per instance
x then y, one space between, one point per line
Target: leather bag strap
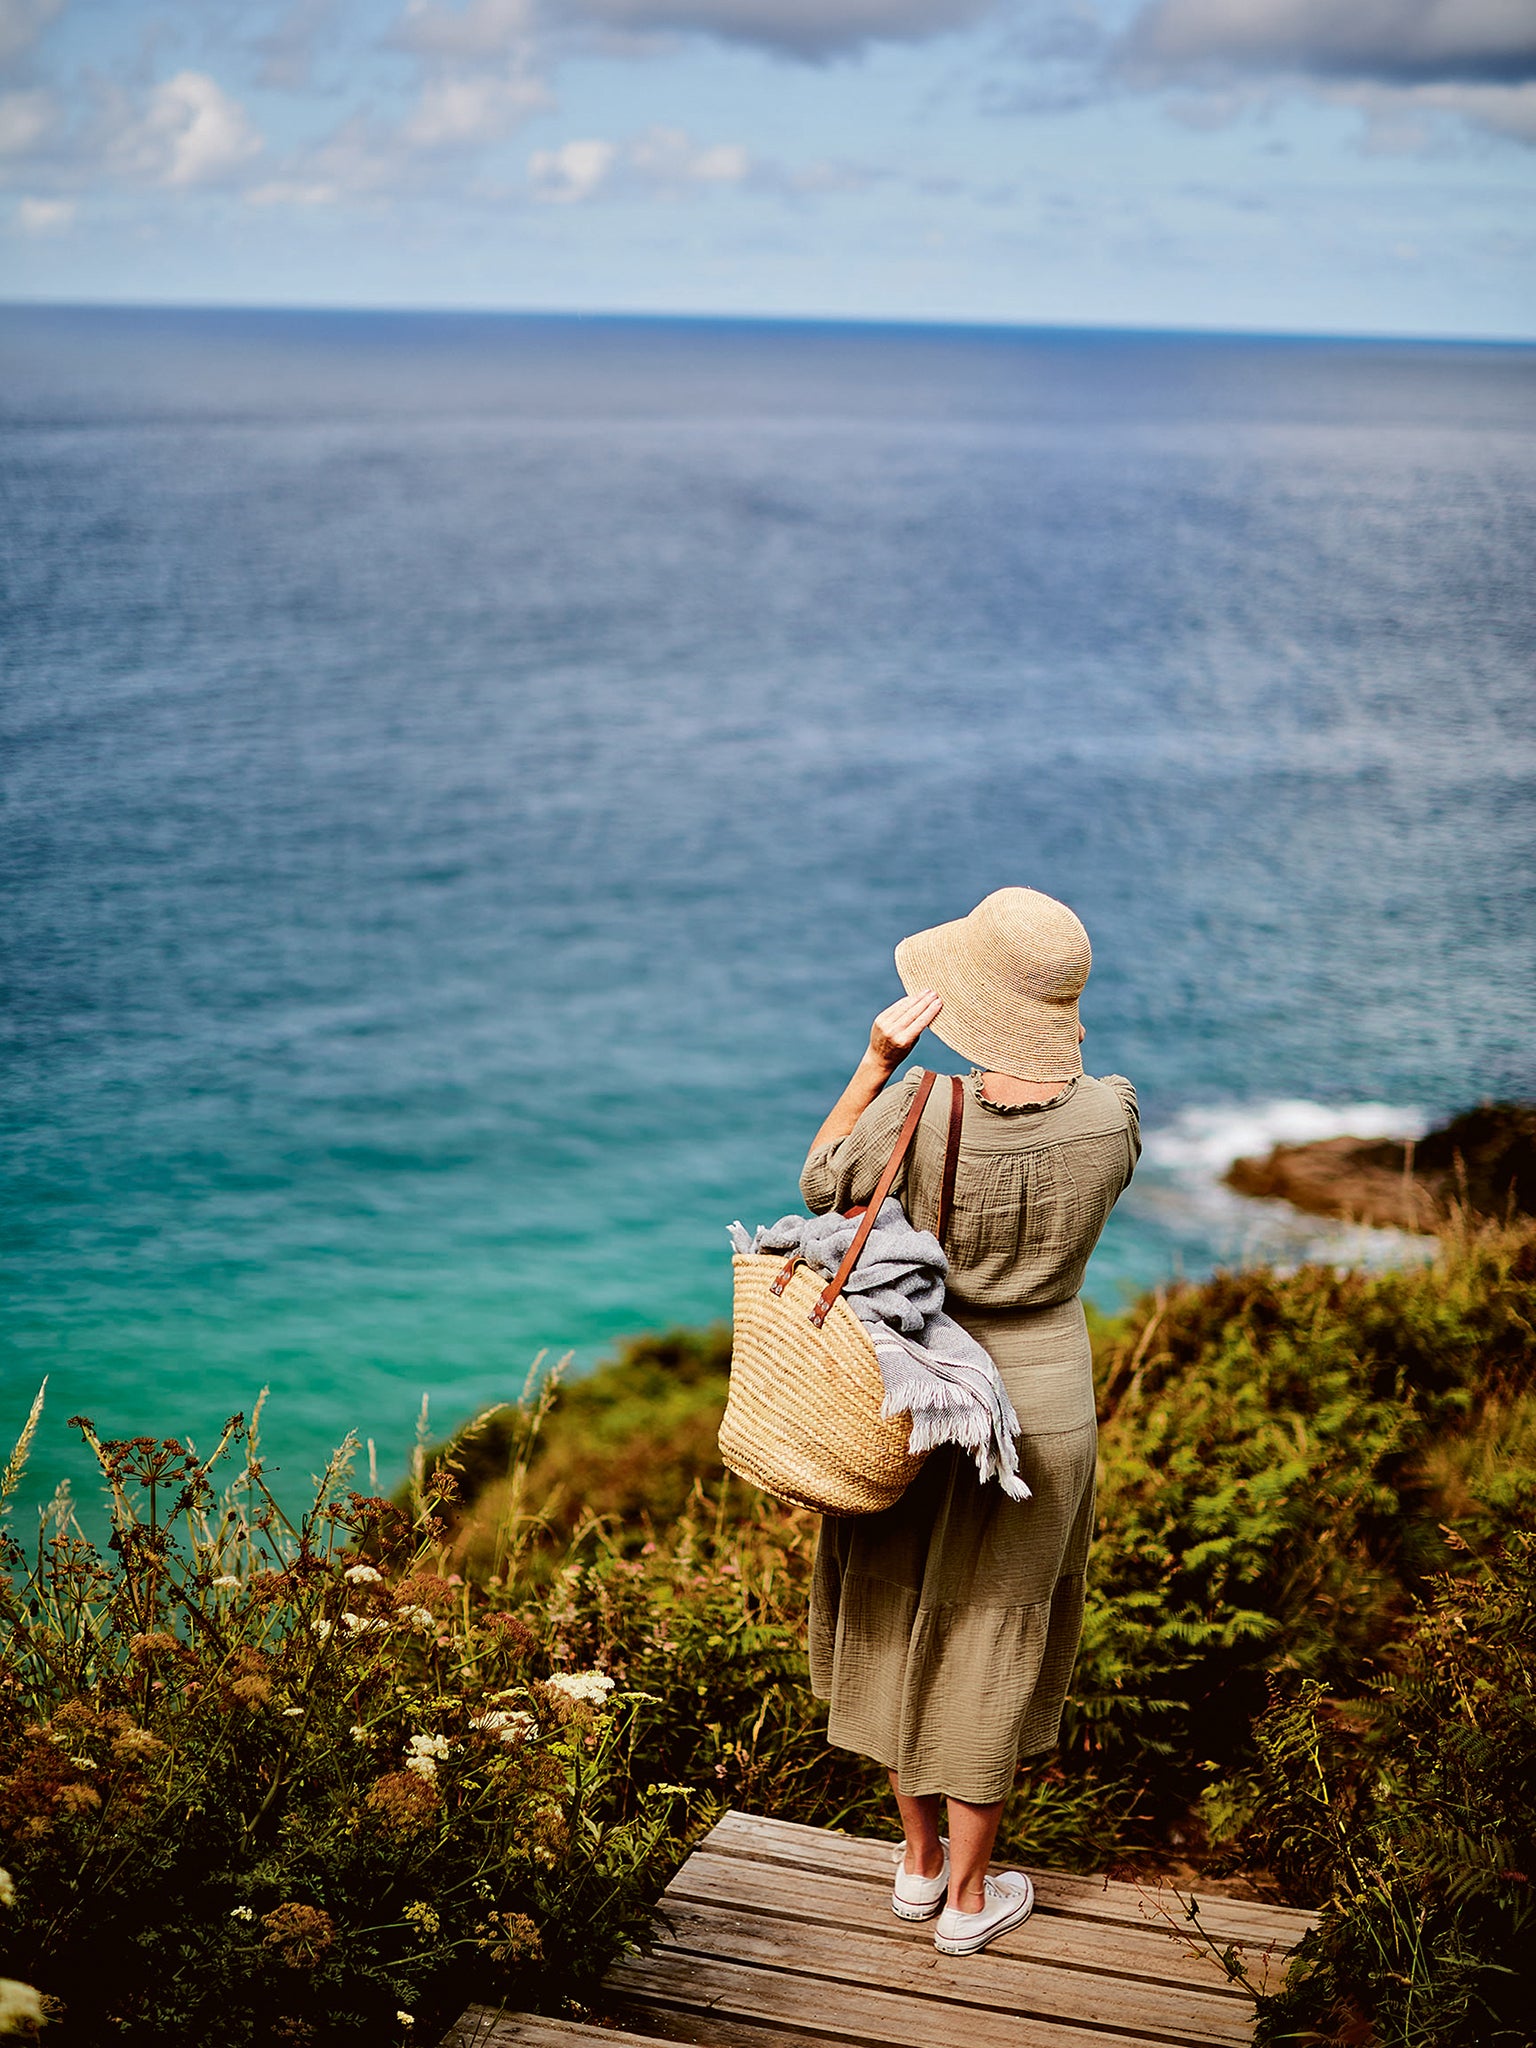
835 1285
951 1154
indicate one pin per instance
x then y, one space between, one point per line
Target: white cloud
662 160
670 157
25 118
22 22
461 111
44 216
571 173
811 29
190 133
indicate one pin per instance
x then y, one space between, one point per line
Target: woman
943 1631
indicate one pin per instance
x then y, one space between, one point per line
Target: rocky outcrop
1484 1159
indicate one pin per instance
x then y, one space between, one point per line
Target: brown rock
1484 1159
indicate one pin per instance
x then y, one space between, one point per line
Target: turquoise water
463 780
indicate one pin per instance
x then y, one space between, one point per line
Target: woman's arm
891 1037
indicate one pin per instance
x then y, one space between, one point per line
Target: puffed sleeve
838 1175
1127 1095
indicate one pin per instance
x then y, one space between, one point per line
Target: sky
1305 166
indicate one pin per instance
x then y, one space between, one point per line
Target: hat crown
1033 944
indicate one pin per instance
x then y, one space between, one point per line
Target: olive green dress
944 1630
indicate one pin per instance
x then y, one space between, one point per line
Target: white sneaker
918 1898
1010 1901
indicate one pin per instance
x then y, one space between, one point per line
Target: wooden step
777 1935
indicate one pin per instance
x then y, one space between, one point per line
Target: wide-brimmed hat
1010 974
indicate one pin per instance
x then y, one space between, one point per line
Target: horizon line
917 322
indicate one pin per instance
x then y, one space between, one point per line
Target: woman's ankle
924 1862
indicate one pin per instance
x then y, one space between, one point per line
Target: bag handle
907 1133
951 1154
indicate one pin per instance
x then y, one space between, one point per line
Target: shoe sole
905 1912
970 1945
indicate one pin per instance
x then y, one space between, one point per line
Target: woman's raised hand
896 1030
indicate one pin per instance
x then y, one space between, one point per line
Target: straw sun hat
1010 974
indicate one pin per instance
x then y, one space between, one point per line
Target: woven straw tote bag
802 1416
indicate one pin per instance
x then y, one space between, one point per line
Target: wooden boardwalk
774 1935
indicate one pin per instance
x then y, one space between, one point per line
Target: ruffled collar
1019 1108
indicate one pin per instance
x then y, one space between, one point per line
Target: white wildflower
404 2019
591 1686
228 1581
322 1629
364 1575
421 1619
21 2009
292 1713
511 1725
7 1889
83 1763
241 1913
423 1752
359 1733
363 1624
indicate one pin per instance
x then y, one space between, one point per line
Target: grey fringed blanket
933 1370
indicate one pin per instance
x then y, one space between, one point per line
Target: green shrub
253 1788
1281 1459
1411 1818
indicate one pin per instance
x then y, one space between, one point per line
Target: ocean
463 779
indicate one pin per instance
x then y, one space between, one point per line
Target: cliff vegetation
328 1780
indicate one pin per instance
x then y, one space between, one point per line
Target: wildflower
152 1645
423 1752
419 1618
404 2019
422 1916
241 1913
137 1746
292 1713
227 1582
300 1934
251 1690
510 1937
21 2010
7 1889
590 1687
77 1798
323 1628
514 1724
83 1763
364 1575
359 1733
403 1803
362 1624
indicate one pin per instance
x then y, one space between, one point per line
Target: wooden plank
709 2030
796 1846
851 2013
482 2026
1004 1978
1152 1954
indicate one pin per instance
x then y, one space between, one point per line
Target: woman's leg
920 1825
972 1832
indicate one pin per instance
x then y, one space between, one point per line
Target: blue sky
1364 166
